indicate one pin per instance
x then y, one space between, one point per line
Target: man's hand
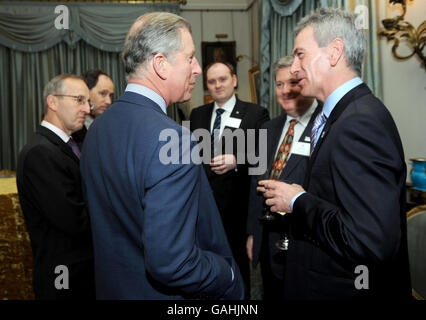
223 163
249 247
278 194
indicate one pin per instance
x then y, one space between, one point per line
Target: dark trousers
273 286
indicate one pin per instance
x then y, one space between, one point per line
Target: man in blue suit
156 229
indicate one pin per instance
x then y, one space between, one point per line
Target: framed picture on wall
208 99
217 51
254 78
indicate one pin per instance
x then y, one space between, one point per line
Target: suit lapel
53 138
207 119
238 112
349 97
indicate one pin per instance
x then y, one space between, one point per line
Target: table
15 247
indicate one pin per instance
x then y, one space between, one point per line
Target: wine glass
266 213
282 243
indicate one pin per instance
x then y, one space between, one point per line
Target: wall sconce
397 29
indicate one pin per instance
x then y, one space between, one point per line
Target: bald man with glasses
49 186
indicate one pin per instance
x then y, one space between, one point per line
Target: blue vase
418 174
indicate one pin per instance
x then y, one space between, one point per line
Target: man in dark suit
101 93
156 229
348 220
288 142
49 186
229 180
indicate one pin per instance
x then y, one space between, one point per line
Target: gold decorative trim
410 214
7 172
398 29
253 72
416 295
415 211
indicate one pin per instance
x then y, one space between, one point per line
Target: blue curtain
33 51
278 20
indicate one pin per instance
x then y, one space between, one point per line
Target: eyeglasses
80 99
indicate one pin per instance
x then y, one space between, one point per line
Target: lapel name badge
301 148
233 122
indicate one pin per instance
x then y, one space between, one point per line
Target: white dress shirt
302 122
89 120
228 106
61 134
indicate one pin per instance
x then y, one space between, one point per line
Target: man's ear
234 80
52 102
336 49
161 65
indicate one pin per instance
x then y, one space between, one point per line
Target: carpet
15 247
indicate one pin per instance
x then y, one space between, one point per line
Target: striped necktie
318 124
216 130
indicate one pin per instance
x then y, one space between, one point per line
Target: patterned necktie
283 152
74 147
319 121
216 127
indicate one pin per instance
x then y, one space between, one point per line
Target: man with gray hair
287 159
348 219
156 229
49 186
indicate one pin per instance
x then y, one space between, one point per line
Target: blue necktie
74 147
216 127
319 122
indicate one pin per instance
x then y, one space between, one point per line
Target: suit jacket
49 186
294 172
231 189
156 230
353 212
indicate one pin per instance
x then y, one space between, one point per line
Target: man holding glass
287 158
351 239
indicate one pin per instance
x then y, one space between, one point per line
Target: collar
228 106
61 134
338 94
89 120
306 117
147 92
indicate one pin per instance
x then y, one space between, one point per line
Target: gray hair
56 86
331 23
283 62
152 33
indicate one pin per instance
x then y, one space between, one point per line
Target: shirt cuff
294 199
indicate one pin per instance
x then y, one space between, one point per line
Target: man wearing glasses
49 185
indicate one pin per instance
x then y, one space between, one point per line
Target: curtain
33 51
33 27
278 21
